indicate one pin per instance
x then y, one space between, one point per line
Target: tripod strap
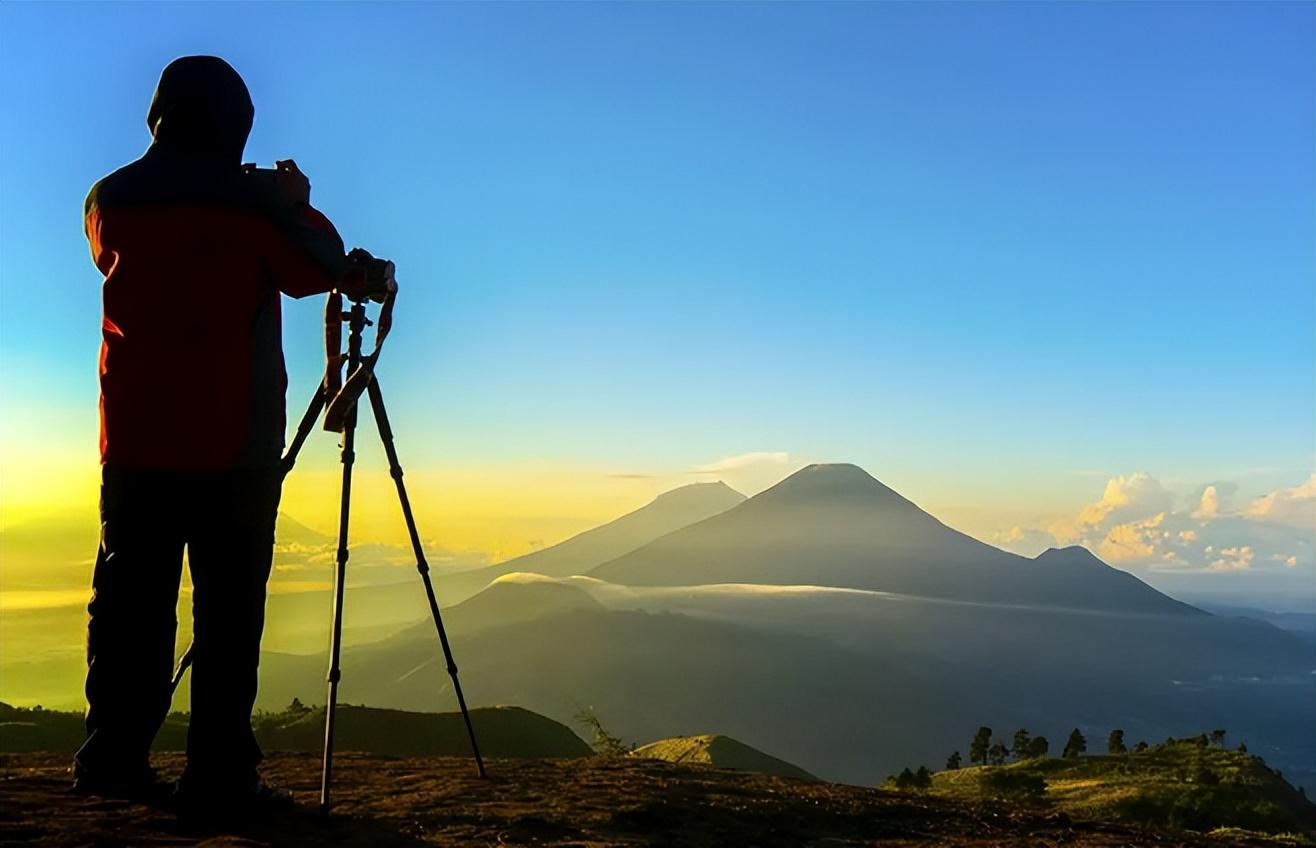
333 344
343 400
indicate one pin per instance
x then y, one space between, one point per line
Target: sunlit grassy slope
1175 784
720 751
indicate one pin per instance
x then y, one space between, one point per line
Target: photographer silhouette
195 248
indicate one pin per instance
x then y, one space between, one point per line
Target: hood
202 106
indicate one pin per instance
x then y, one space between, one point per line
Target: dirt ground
382 802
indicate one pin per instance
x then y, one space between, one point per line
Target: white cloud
1233 559
745 460
750 473
1135 525
1295 507
1134 540
1126 499
1025 542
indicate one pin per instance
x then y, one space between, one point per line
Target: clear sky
1004 256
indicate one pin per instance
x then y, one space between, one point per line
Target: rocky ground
382 802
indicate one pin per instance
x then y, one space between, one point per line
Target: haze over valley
826 620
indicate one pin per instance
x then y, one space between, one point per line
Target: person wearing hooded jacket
195 252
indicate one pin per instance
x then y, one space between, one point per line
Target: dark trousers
225 520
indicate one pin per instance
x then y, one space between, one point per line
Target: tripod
341 416
356 321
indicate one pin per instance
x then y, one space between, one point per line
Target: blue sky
987 251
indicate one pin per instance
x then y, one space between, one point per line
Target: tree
953 761
1115 743
997 753
923 778
1218 737
1020 746
1038 746
605 744
904 780
1242 747
982 740
1140 747
298 707
1075 746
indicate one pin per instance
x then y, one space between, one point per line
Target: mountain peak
1069 555
834 481
701 491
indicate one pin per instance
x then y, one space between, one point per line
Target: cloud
750 473
370 562
1026 542
1126 499
1295 507
1133 540
742 461
1136 524
1233 559
1215 501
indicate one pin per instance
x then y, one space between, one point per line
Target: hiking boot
144 785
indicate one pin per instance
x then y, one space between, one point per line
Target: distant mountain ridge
836 525
670 511
503 731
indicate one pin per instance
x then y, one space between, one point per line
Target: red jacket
194 258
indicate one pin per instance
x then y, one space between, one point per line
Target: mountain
669 511
510 599
720 752
290 531
835 525
849 684
501 731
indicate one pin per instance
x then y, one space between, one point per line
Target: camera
368 278
267 178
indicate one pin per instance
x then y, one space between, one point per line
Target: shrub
1013 785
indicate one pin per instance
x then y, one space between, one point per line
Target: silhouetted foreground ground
439 801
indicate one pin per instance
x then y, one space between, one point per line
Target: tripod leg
303 430
422 566
336 643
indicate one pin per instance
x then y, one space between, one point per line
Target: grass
1181 785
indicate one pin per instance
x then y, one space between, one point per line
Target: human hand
293 184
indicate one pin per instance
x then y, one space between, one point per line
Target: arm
316 264
306 255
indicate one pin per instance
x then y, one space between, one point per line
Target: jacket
195 254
